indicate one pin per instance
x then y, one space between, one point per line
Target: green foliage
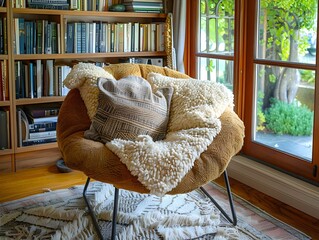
261 119
307 76
217 24
284 118
272 78
284 19
210 66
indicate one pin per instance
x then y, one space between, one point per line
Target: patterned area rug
62 214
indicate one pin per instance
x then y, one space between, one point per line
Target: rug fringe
4 219
227 233
80 228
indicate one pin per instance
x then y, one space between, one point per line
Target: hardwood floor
38 180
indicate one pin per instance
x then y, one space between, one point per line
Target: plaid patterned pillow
128 108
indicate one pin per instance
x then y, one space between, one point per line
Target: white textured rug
62 215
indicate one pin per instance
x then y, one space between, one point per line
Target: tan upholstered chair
99 163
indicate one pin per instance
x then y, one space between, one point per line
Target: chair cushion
101 164
128 108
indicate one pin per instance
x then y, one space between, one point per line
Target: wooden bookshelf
18 157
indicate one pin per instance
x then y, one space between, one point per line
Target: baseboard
292 191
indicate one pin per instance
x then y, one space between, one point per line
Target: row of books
36 125
35 79
83 5
42 4
4 82
36 36
4 129
114 37
155 6
90 5
3 35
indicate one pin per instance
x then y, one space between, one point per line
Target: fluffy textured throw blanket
194 122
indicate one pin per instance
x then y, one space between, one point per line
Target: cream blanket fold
194 122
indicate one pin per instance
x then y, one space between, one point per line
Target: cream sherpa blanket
194 122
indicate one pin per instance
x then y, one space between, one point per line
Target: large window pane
217 26
284 109
216 70
287 30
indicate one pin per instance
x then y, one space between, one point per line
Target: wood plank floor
38 180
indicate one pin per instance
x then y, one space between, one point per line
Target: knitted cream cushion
128 108
195 103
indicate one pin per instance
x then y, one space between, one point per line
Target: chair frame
232 219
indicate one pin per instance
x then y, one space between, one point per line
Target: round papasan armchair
98 162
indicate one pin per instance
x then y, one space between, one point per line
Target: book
39 113
51 80
39 32
42 127
4 91
16 36
22 127
39 77
1 37
160 37
42 134
21 36
48 38
4 129
77 37
43 119
70 38
54 38
32 81
30 142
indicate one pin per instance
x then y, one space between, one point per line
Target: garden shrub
284 118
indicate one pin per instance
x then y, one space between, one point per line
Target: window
277 55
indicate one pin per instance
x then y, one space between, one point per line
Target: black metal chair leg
232 220
115 207
92 214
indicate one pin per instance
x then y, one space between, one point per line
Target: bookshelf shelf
4 103
6 152
21 68
108 14
21 57
36 147
27 101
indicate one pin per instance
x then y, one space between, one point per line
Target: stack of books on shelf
36 125
155 6
100 37
4 129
